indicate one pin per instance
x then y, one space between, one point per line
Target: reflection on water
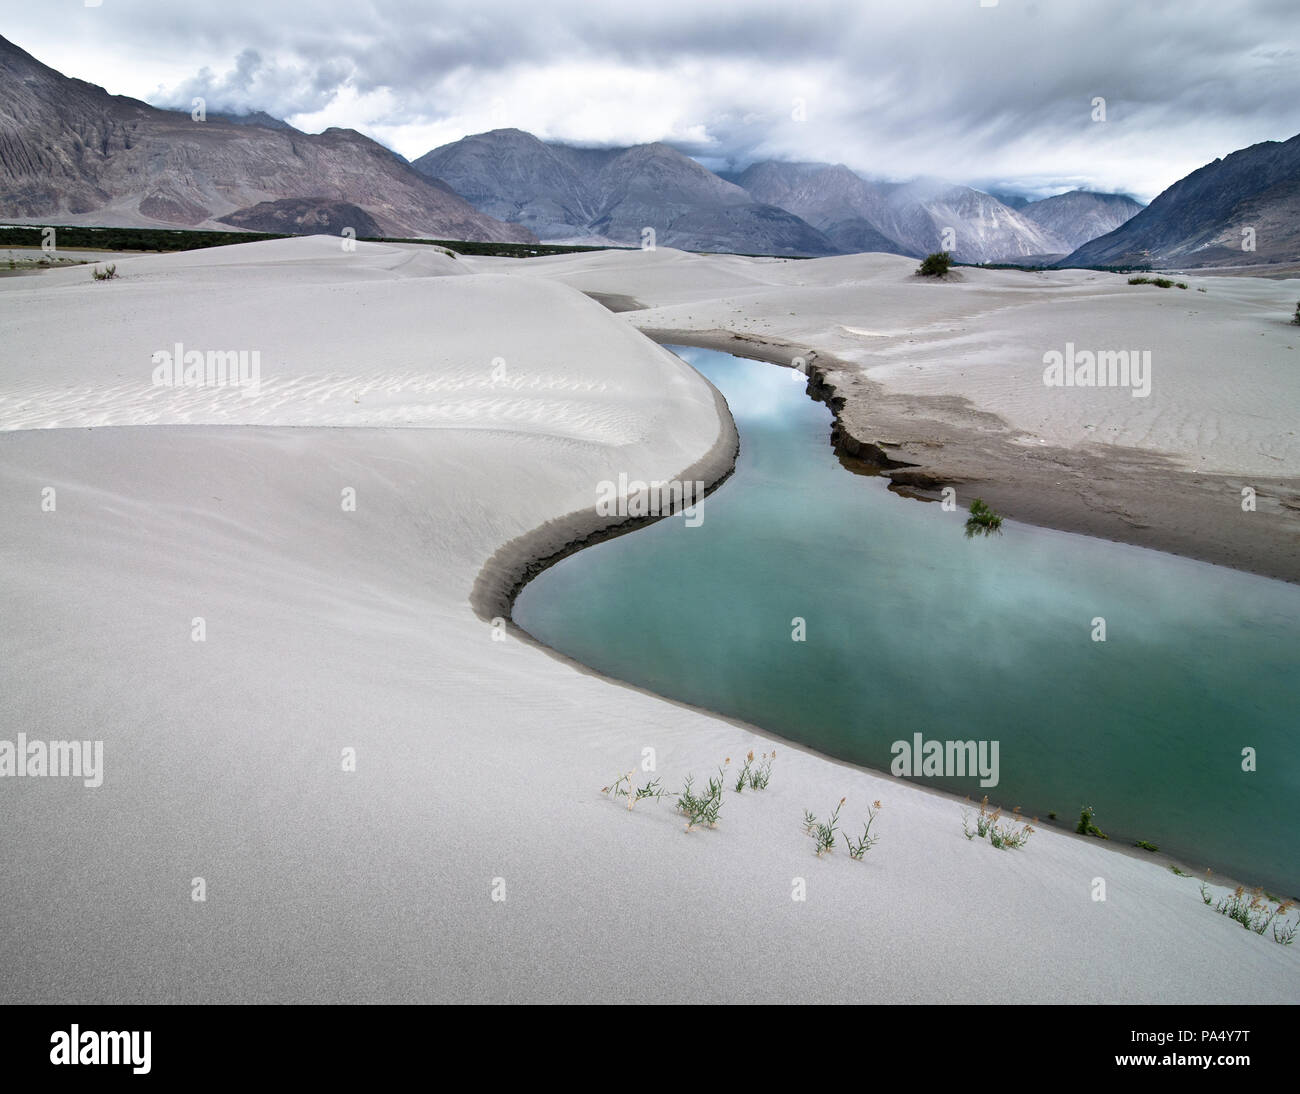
911 628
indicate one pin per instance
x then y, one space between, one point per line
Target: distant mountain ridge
910 218
1078 216
1251 196
560 191
72 153
773 207
839 203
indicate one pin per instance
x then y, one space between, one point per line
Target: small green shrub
858 848
1004 836
982 520
935 265
698 807
1146 846
762 774
1086 827
1252 911
1009 840
701 808
106 274
1296 320
623 787
755 776
823 834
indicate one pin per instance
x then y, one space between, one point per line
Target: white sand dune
1225 362
476 759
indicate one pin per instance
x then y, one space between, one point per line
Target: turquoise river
911 628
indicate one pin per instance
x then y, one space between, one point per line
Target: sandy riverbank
948 379
478 761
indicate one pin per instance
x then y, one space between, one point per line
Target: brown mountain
71 153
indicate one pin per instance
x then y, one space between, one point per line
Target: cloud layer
1000 96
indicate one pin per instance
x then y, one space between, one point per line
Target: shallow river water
911 628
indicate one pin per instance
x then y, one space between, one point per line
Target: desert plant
742 780
981 826
1252 911
1010 838
1005 836
982 520
1159 282
823 834
935 265
1296 320
1086 827
624 787
756 776
702 808
106 274
860 847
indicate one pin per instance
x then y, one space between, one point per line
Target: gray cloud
254 84
999 95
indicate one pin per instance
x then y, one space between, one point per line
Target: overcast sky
996 96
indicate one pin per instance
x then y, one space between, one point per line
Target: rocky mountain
304 216
562 192
253 117
843 206
919 213
908 218
513 176
1081 215
1010 200
1202 220
72 153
